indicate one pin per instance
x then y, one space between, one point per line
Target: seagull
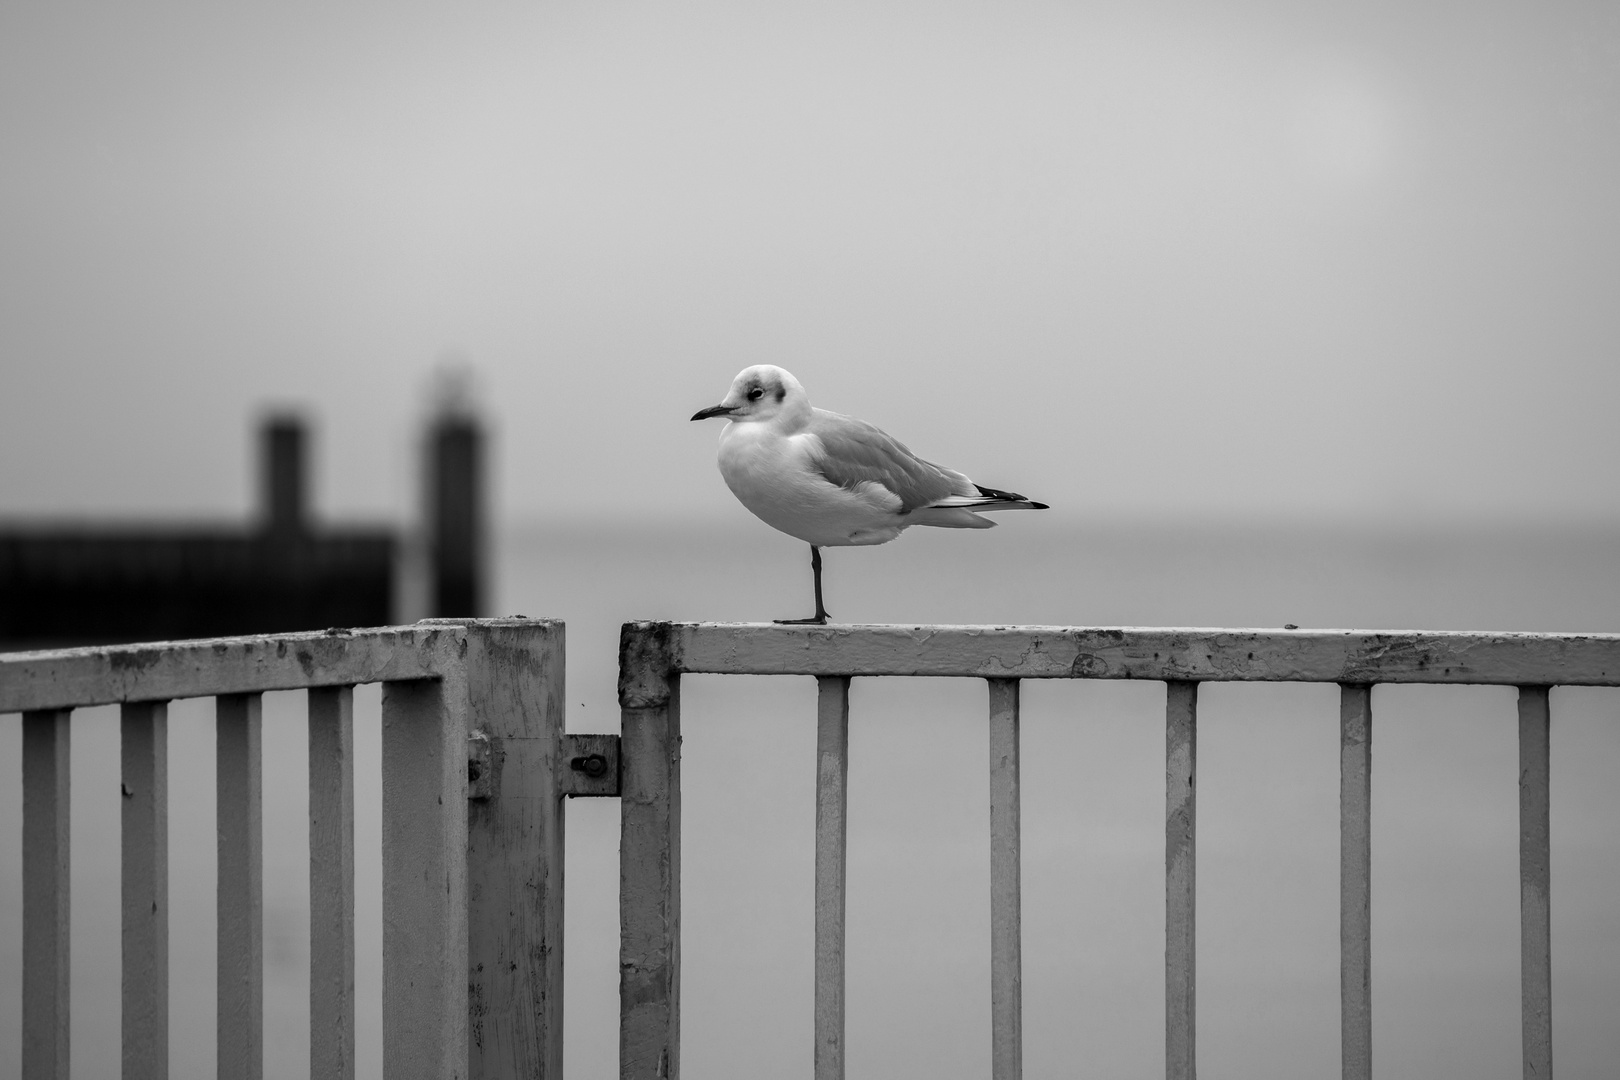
832 480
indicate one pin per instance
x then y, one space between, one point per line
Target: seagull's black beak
714 410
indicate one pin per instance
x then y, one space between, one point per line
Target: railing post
1535 880
238 726
1180 892
515 852
331 882
649 855
1355 881
832 834
1006 897
144 754
424 842
45 894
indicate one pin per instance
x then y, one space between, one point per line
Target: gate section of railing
474 765
653 656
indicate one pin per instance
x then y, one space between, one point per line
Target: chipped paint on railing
165 670
1177 654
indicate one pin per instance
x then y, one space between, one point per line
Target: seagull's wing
853 452
989 498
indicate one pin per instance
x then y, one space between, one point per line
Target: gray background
1293 315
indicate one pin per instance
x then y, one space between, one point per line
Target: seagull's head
760 394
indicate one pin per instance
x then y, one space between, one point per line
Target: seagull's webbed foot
814 620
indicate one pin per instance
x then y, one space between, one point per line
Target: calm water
1445 866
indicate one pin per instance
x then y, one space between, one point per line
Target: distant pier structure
84 584
454 513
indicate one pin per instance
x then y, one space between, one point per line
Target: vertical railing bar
424 856
1535 899
238 729
649 858
331 882
515 851
1180 954
1355 881
1006 961
144 743
832 810
45 894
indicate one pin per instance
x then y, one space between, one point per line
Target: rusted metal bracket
588 766
481 774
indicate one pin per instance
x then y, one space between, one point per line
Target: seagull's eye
756 393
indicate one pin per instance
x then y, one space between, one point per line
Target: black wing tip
1010 496
993 493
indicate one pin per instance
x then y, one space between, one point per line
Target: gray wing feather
855 452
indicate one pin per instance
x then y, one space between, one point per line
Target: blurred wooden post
455 514
66 585
281 465
649 855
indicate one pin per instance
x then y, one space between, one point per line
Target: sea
1445 870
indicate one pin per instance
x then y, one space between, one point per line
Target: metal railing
475 765
653 656
472 841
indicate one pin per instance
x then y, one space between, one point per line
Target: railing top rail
156 671
1151 653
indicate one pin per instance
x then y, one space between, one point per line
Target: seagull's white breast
775 476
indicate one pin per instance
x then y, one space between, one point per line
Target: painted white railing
474 765
653 656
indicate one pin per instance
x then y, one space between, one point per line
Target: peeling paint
1088 666
1196 655
646 659
128 660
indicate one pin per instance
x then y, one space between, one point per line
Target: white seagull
833 480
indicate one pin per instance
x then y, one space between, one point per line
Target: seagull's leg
820 617
815 570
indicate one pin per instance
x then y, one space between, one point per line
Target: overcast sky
1260 258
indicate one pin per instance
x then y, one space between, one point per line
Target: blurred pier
93 584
